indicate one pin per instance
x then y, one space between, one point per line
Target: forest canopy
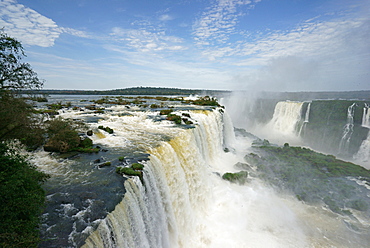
21 194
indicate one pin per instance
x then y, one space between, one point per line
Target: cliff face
330 126
335 126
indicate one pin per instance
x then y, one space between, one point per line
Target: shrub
107 129
155 106
128 171
239 177
86 143
165 111
63 136
21 200
137 166
174 118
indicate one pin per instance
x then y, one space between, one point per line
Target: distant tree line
131 91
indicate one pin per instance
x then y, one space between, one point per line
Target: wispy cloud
309 39
30 27
166 17
147 41
218 22
321 55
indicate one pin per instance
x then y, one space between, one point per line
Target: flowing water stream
182 200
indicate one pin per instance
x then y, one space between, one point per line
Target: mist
323 57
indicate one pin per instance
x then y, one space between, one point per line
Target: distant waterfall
363 154
306 120
286 118
163 213
348 130
366 116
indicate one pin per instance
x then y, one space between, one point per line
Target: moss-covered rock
238 177
174 118
137 166
86 143
108 163
313 177
107 129
165 111
135 169
129 171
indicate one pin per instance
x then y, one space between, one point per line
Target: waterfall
363 154
286 117
348 130
164 212
183 202
366 116
306 120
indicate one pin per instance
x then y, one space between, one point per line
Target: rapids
182 200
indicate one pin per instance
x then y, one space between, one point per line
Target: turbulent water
182 200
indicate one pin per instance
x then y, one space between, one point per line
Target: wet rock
105 164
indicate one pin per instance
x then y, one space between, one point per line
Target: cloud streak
322 52
218 22
321 55
146 41
29 26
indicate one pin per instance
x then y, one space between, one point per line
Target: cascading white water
306 120
363 154
286 117
164 213
284 125
184 202
366 116
348 130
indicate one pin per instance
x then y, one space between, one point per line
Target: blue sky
268 45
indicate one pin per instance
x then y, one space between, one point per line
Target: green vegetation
165 111
107 129
22 197
63 136
326 126
204 101
238 177
136 169
132 91
325 165
312 177
129 171
15 75
175 118
122 158
108 163
21 202
86 146
137 166
18 121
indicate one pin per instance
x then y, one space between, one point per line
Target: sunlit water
183 202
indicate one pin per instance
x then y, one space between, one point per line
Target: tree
17 118
21 195
63 136
21 198
15 74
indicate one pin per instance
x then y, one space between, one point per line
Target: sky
260 45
